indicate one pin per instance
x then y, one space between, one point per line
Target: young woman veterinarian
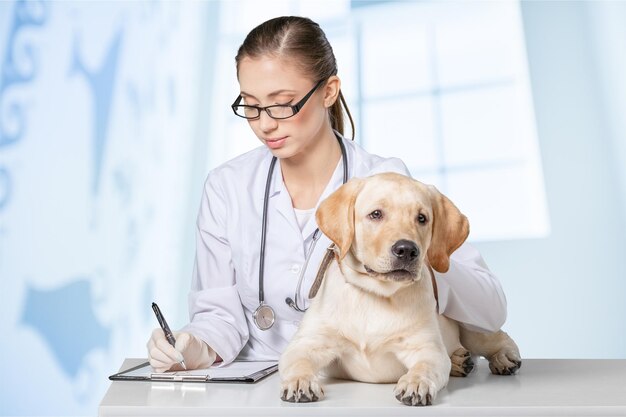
257 243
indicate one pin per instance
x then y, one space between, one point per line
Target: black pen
166 329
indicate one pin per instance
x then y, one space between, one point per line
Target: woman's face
267 81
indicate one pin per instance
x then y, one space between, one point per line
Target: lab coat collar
279 199
282 200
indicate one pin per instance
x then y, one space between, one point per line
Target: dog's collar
328 258
434 283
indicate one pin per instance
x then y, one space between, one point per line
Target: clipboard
247 372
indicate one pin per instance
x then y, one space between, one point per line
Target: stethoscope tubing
316 235
264 230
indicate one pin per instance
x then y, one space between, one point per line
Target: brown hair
303 41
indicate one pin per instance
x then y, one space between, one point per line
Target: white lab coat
225 284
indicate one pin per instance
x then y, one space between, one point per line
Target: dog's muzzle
405 256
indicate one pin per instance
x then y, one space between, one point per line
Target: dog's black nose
405 250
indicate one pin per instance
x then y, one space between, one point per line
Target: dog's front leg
428 372
299 366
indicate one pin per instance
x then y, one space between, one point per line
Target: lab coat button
295 268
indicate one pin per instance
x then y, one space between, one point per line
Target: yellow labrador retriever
374 316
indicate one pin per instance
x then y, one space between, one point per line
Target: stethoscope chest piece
264 316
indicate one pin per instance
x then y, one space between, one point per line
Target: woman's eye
376 215
421 219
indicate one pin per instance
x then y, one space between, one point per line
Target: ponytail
336 111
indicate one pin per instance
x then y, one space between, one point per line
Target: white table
543 387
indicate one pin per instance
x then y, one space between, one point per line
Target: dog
373 316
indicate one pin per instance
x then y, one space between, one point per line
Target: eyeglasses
277 111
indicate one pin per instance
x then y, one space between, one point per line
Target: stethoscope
264 315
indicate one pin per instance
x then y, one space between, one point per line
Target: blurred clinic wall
112 113
565 291
102 107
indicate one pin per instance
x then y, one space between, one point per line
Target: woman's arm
470 293
216 313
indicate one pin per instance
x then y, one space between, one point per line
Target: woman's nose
266 123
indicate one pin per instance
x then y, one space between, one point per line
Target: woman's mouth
275 143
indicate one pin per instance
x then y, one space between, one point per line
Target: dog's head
388 224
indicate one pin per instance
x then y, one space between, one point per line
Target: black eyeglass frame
295 108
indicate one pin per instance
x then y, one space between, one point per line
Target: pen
166 329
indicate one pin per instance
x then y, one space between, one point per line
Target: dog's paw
415 390
506 361
301 390
462 363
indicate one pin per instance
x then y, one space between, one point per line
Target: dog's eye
376 215
421 219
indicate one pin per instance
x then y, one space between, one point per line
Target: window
446 88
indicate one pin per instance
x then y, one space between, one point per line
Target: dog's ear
450 229
335 215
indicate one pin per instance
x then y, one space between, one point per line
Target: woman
291 97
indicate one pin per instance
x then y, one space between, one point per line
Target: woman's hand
164 357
